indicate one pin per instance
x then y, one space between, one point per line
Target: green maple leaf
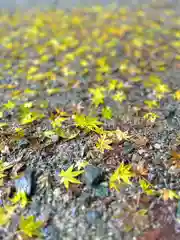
4 217
122 173
29 117
1 114
112 85
151 103
30 227
81 164
86 122
9 105
5 214
52 91
125 172
3 124
69 175
119 96
49 133
146 187
30 92
114 181
103 143
28 105
107 113
97 95
10 209
21 198
67 133
122 135
57 122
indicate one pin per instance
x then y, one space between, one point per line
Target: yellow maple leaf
176 95
103 143
69 175
122 135
122 174
151 116
169 194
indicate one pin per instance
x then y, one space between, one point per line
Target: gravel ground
10 4
88 211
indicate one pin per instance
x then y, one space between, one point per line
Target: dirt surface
91 91
26 4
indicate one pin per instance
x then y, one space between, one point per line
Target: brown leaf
74 190
140 169
178 65
141 141
175 159
175 155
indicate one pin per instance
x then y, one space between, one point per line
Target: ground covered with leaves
90 124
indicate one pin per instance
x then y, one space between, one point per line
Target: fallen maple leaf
175 159
140 170
74 190
175 155
122 135
176 95
122 174
141 141
103 144
169 194
178 65
69 175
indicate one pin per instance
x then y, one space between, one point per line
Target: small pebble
102 190
92 175
141 151
24 183
23 143
85 199
93 216
157 146
55 138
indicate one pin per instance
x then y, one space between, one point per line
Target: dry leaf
175 159
177 65
74 190
175 155
169 194
140 170
141 141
